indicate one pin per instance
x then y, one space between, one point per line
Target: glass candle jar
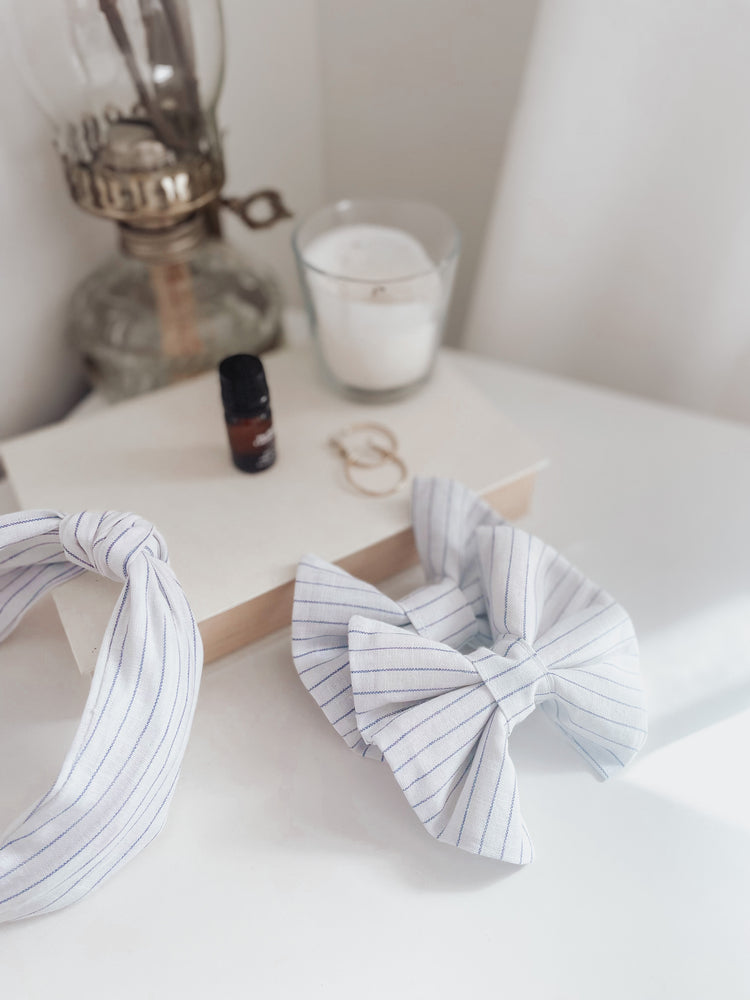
377 276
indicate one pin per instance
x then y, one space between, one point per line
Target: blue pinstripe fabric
436 693
113 791
442 719
449 608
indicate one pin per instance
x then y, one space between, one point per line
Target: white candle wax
378 300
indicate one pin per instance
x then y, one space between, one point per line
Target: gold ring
353 455
386 457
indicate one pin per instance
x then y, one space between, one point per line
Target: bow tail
433 749
485 815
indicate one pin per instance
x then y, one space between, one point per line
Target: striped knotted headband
113 791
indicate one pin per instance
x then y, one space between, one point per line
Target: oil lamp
131 88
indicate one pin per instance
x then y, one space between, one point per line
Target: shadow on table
266 745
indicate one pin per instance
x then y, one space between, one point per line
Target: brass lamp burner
136 179
146 197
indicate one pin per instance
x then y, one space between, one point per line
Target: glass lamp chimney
131 88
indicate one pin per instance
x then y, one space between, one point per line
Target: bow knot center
515 675
109 542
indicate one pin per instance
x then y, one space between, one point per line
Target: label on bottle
252 441
264 438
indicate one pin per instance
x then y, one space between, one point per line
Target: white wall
271 113
619 249
46 246
417 99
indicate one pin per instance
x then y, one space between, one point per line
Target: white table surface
291 868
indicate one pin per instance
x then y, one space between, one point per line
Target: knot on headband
117 780
108 543
441 714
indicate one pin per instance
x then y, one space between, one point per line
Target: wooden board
235 539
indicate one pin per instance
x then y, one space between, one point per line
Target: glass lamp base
141 326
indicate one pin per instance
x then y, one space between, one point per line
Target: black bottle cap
244 389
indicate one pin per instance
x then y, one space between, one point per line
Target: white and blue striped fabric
113 791
442 716
450 608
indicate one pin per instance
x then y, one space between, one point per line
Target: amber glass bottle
247 411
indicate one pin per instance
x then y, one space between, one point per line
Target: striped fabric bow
113 791
450 608
442 719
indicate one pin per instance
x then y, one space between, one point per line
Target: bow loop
109 542
391 668
445 519
538 603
